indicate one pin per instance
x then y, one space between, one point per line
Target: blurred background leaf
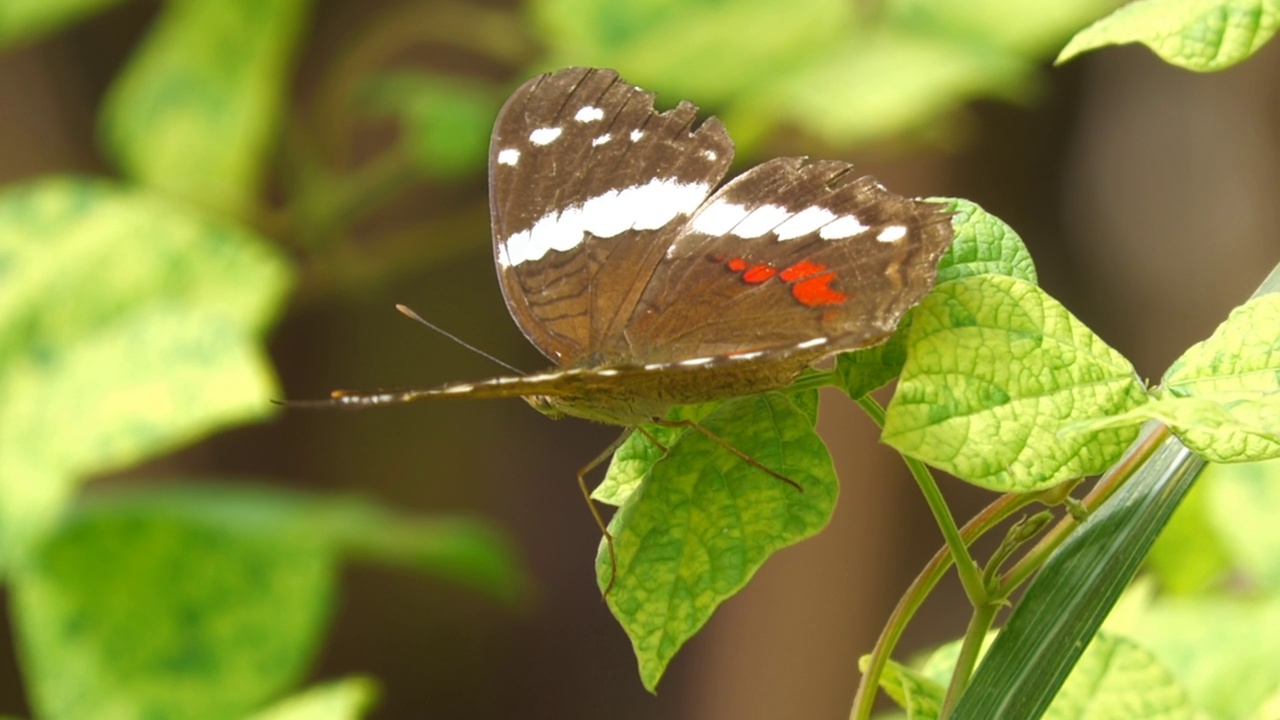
129 326
196 111
28 20
207 600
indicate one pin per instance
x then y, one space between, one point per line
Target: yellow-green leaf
1200 35
703 521
346 699
195 111
996 370
128 326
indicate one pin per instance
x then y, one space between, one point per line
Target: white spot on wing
640 207
545 135
747 355
588 114
710 154
636 135
697 361
842 227
893 233
718 218
509 156
658 202
607 372
811 343
601 139
804 222
760 221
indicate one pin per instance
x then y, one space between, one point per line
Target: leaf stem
1107 485
966 567
979 625
914 597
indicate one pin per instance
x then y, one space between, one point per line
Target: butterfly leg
721 442
595 513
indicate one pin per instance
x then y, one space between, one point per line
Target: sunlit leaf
1200 35
195 111
128 326
26 20
996 369
347 699
127 611
704 520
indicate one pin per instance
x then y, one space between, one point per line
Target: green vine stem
991 516
970 647
1111 481
970 574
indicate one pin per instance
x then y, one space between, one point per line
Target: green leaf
1224 428
996 369
1240 502
1199 35
1242 355
1064 606
984 245
1235 375
882 80
632 461
346 699
1218 648
1028 29
26 20
1189 556
208 600
703 521
131 611
914 692
468 552
703 49
863 371
446 120
195 111
128 327
1114 678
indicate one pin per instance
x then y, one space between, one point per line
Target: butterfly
649 285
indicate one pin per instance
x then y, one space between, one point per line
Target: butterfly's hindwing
791 252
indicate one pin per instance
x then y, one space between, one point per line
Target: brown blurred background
1147 195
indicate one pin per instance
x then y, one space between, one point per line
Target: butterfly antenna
407 312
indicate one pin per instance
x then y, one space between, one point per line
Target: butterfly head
546 405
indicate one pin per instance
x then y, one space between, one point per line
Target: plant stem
979 624
1114 478
914 597
966 568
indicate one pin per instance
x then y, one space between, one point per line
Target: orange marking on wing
759 273
816 291
737 264
801 270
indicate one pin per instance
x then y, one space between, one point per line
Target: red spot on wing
801 270
816 291
810 281
759 273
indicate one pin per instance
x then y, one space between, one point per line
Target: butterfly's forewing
791 254
588 186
